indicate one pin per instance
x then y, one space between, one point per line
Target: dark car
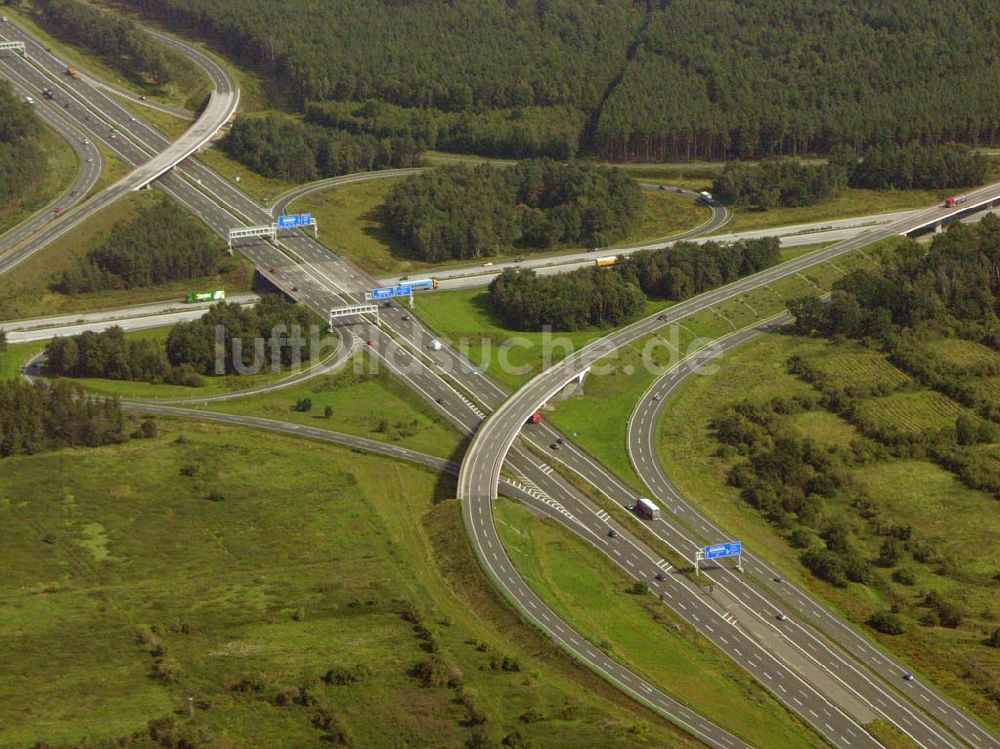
661 576
612 533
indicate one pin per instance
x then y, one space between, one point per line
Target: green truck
205 296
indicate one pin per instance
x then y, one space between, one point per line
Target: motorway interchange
822 669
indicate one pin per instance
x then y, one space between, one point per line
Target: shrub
887 623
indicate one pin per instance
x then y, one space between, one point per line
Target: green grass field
853 366
25 293
962 354
368 404
127 590
949 517
62 168
591 593
350 225
909 412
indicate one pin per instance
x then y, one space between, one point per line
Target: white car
435 345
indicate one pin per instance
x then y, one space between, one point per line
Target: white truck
647 509
706 196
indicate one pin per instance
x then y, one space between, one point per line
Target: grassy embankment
949 517
25 292
239 568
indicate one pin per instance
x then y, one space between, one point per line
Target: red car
274 270
59 211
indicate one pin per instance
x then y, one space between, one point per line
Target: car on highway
661 576
661 317
59 210
439 401
371 342
612 533
657 396
663 187
274 270
295 288
908 677
404 278
554 446
435 345
781 617
406 318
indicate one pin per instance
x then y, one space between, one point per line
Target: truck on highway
535 418
423 284
605 262
647 509
205 296
73 73
706 196
955 201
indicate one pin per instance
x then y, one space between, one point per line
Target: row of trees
686 268
553 132
160 244
589 297
277 146
265 337
457 212
780 183
113 37
22 163
112 356
38 417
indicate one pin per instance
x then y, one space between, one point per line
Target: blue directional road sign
718 551
288 222
389 292
305 219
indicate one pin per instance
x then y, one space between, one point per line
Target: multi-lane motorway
738 621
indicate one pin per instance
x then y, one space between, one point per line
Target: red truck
535 417
952 202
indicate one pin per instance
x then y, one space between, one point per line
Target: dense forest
161 244
278 146
22 163
260 331
680 80
918 165
115 38
955 283
36 417
457 212
589 297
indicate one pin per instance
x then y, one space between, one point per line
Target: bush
303 405
826 565
639 588
905 576
887 623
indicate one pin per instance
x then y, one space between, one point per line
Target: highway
43 70
320 280
800 604
89 167
141 317
463 395
491 444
